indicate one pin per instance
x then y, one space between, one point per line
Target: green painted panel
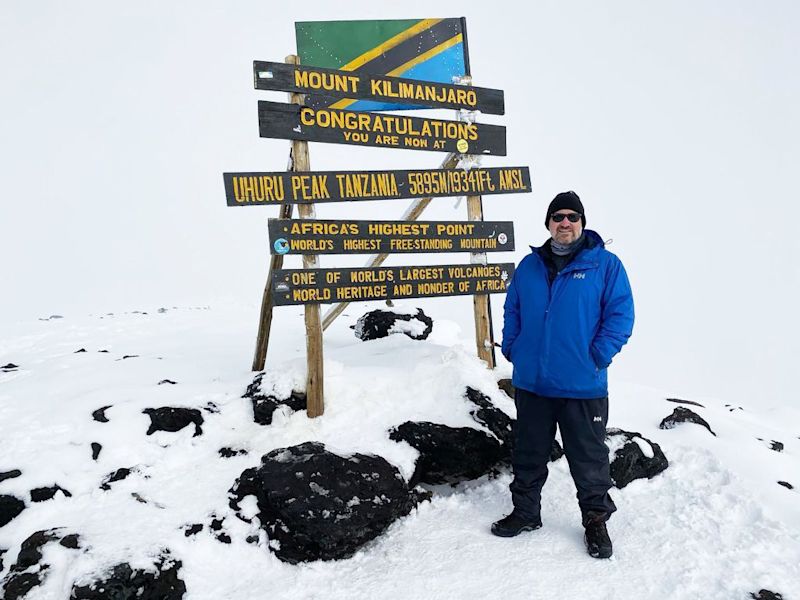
333 44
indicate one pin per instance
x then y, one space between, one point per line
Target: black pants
583 429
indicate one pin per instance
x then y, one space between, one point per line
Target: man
568 311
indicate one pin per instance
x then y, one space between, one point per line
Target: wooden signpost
292 122
353 84
312 286
288 236
253 189
301 286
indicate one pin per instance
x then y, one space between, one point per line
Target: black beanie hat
569 200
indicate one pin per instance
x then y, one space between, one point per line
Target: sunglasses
573 217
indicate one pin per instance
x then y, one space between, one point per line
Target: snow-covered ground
714 525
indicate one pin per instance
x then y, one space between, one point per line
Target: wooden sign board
305 286
286 187
301 236
294 122
363 86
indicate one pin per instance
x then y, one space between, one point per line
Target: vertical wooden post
314 375
480 302
265 319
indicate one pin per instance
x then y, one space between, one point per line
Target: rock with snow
29 571
507 387
122 582
265 405
10 508
491 417
633 457
449 454
48 493
766 595
382 323
786 484
231 452
316 505
9 474
117 475
683 415
772 444
96 448
168 418
217 525
9 367
100 414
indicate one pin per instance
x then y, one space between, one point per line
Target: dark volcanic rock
9 474
766 595
96 450
314 504
100 414
117 475
382 323
786 484
491 417
172 419
193 529
679 401
2 551
264 406
683 415
507 387
47 493
80 351
10 507
217 526
556 451
29 572
169 381
449 454
230 452
9 367
629 461
775 445
124 583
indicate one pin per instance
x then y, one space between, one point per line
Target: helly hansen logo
598 419
579 275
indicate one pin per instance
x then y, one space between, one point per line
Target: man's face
566 231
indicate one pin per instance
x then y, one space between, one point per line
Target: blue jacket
562 336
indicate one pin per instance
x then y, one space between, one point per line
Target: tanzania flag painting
424 49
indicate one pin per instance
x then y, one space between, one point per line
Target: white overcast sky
677 123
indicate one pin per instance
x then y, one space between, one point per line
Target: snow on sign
305 236
432 50
294 122
344 84
309 286
282 187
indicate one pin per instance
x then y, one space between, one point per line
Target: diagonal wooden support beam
412 213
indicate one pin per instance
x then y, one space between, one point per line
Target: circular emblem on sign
281 246
462 146
502 238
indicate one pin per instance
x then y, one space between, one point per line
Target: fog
677 123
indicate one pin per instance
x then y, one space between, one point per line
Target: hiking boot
514 524
598 544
